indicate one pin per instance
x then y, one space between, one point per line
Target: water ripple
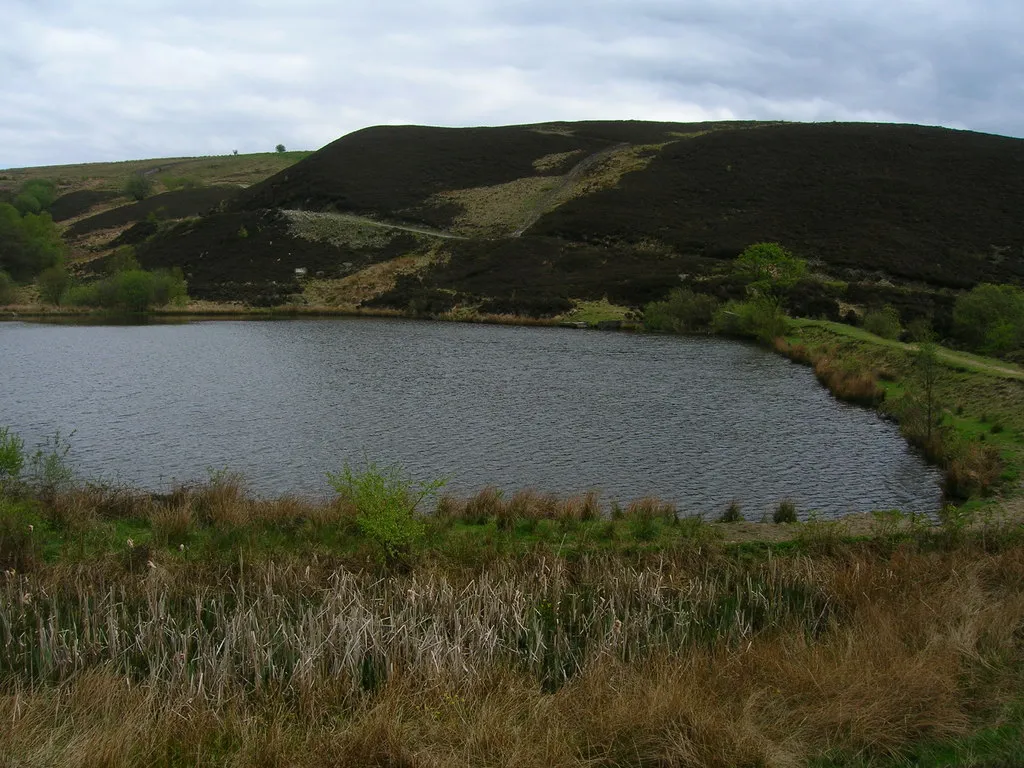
696 421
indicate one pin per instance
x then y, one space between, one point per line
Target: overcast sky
92 80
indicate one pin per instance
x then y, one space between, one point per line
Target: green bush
769 266
682 312
121 260
26 203
761 318
12 459
35 196
53 284
42 191
385 500
138 187
732 514
49 471
28 244
884 322
6 288
132 290
990 319
920 330
785 512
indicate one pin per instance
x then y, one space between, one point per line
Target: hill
531 218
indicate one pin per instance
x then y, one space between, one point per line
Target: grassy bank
209 627
976 403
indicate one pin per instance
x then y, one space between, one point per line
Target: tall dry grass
688 659
848 381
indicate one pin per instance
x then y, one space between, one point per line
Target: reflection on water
696 421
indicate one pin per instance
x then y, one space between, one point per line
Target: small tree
385 501
761 317
682 312
927 370
138 187
121 260
280 148
770 267
12 460
53 284
884 322
990 318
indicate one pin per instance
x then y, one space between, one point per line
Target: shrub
53 284
12 459
138 187
732 514
6 288
990 319
133 290
920 330
884 322
121 260
26 203
785 512
769 266
682 312
385 500
17 548
28 244
41 192
49 471
761 318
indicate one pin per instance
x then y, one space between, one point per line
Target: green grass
956 359
214 169
997 747
981 398
594 312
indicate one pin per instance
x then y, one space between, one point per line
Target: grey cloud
115 79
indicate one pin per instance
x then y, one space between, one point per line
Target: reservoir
696 421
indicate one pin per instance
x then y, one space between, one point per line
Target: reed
673 659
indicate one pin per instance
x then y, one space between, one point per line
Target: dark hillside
919 203
169 205
78 202
660 204
251 255
393 170
538 276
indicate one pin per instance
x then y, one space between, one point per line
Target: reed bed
292 628
687 659
846 380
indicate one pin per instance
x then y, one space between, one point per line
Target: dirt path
947 356
362 220
574 175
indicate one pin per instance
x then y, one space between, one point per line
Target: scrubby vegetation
132 290
884 322
990 319
138 187
210 626
682 312
28 244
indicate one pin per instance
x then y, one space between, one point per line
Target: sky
100 80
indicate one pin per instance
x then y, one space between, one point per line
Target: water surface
695 421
